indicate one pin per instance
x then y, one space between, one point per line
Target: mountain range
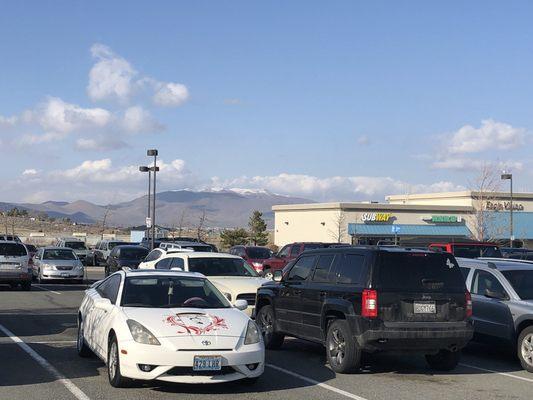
223 208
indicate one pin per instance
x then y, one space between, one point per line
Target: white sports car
168 326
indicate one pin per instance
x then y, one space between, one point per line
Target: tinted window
132 253
484 281
109 288
284 252
312 246
59 254
177 263
302 268
351 269
522 282
163 264
418 272
259 253
295 250
12 250
323 271
75 245
214 266
153 255
467 251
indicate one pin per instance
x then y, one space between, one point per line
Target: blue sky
339 100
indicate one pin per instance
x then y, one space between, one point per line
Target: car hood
61 263
237 284
192 328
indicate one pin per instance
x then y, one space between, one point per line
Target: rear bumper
417 336
15 276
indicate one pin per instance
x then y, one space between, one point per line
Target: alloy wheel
527 349
337 347
113 360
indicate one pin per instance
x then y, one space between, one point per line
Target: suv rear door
419 287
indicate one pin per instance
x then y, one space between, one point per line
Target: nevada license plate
425 308
207 363
64 275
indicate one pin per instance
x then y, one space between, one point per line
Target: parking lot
39 360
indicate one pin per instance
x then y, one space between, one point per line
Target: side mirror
278 276
241 305
494 294
103 304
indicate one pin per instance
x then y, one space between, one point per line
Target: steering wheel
195 300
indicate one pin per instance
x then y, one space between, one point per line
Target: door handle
297 291
323 294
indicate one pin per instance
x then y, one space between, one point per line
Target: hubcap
527 349
266 325
337 347
268 275
113 360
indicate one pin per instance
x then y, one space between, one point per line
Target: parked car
10 238
125 256
195 246
254 255
367 299
230 274
146 242
156 254
79 247
57 263
468 250
502 300
517 254
101 251
173 326
15 264
289 252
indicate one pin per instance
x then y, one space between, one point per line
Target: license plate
425 308
64 275
207 363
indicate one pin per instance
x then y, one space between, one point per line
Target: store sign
445 219
376 217
503 206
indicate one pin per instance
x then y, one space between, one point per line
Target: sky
341 100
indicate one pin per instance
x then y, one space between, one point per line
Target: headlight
141 334
252 334
79 265
228 296
48 266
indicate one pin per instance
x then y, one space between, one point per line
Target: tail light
468 304
369 303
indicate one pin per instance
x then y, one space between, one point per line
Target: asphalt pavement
38 360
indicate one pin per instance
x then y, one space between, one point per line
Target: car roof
129 246
465 243
387 249
151 272
56 248
500 264
201 254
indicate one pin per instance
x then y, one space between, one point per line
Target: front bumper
417 336
176 366
60 275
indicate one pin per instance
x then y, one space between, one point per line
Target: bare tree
339 227
485 188
181 223
200 227
104 219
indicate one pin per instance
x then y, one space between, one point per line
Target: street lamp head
156 169
506 176
144 169
152 153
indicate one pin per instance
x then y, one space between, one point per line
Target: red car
290 252
254 255
468 250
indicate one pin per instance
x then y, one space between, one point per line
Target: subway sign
376 217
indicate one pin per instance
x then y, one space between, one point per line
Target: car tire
106 271
266 321
343 353
267 274
444 360
525 348
113 366
26 286
81 345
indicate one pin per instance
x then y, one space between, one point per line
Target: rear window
75 245
419 272
469 251
12 250
259 253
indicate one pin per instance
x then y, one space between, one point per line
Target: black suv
366 299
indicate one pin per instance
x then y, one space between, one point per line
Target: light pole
509 177
154 169
147 169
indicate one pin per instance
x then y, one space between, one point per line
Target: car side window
177 263
153 255
163 264
109 288
323 271
301 269
295 250
284 252
483 281
351 269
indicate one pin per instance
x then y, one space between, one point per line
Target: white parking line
48 290
317 383
498 372
76 391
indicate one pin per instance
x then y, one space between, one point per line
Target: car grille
177 371
63 267
249 297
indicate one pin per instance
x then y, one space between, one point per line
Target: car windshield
522 282
171 291
59 254
215 266
258 253
76 245
419 272
133 254
471 251
12 250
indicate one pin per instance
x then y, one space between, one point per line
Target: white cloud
137 119
99 143
8 121
111 77
30 172
491 135
171 94
470 164
363 140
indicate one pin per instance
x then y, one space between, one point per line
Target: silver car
15 264
502 301
57 263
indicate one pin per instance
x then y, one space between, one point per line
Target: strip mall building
414 220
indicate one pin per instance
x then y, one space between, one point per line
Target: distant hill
223 208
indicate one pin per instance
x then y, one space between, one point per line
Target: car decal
196 324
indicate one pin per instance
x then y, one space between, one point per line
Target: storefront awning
408 230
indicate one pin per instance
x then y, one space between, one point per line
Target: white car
168 326
155 255
230 274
